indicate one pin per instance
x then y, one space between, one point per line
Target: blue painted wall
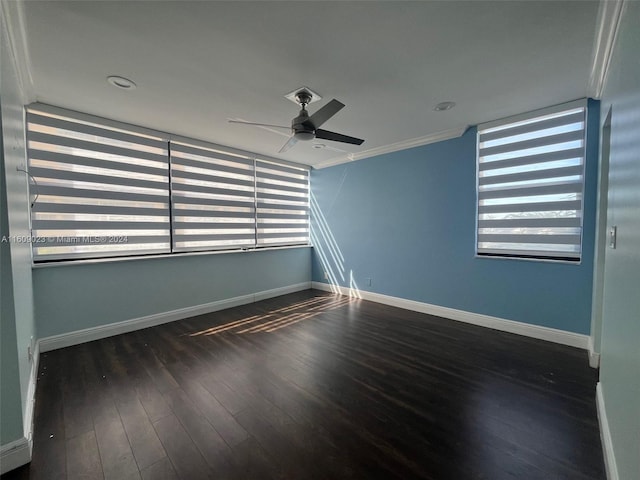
83 295
406 220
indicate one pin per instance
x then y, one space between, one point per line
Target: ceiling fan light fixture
305 135
121 82
444 106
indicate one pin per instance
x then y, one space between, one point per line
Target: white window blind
212 199
282 199
531 183
102 191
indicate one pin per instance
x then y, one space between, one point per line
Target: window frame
536 256
167 139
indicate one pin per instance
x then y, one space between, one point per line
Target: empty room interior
320 240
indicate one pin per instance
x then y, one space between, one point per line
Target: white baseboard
276 292
77 337
605 436
31 398
594 357
14 455
18 453
543 333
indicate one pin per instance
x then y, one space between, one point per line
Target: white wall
620 343
17 288
11 427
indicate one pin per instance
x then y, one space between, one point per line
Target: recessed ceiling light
121 82
318 146
443 106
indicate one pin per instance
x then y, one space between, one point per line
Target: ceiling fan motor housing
302 127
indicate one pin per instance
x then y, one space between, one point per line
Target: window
212 199
282 194
531 183
102 191
106 189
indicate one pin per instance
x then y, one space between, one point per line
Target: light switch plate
613 233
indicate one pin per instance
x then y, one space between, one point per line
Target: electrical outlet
368 281
326 275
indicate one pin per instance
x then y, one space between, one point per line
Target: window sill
67 263
525 259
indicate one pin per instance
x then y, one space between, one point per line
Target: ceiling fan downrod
302 128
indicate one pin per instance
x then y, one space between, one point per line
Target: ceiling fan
305 127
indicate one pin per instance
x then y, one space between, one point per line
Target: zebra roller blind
212 199
282 201
102 191
106 189
531 184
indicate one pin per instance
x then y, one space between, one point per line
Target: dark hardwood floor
312 386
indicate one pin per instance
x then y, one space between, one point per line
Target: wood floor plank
145 444
49 451
315 386
152 401
161 470
201 400
211 445
253 462
115 450
78 418
83 457
231 400
184 455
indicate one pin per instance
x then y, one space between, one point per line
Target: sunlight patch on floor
280 318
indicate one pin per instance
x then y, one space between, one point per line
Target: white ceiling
198 64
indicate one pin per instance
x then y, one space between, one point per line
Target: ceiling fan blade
337 137
242 122
326 112
290 143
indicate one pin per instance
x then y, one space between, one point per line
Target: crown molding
394 147
13 13
607 25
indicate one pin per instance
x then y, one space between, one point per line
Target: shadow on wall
329 253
